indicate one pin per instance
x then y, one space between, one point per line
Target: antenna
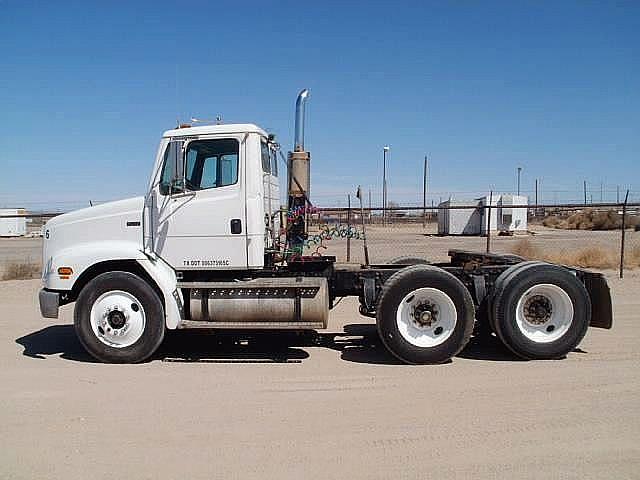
217 121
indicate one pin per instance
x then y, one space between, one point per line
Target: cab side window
274 163
266 157
211 164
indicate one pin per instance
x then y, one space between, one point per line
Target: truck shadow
358 343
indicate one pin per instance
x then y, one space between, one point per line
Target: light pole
519 170
385 150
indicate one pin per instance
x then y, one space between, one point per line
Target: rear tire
500 281
541 311
408 260
119 318
424 315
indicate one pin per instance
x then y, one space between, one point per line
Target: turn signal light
65 272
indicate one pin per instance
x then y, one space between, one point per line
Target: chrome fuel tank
292 302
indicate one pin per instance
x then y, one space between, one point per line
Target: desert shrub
551 221
609 220
21 271
525 249
632 258
588 257
591 220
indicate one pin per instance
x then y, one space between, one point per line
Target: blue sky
482 87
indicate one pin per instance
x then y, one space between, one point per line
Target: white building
473 220
459 221
12 227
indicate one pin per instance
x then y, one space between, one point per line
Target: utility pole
385 149
584 187
535 211
519 170
348 227
424 193
601 191
369 206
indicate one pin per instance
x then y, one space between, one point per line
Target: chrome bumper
49 303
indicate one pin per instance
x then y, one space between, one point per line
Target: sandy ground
342 409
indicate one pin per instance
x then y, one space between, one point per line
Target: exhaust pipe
299 181
301 102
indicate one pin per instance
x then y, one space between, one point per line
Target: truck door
202 224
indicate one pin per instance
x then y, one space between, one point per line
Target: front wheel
424 315
119 318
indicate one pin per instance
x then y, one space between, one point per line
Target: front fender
165 278
82 257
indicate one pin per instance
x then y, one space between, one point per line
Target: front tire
119 318
424 315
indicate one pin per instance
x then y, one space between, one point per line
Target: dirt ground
343 408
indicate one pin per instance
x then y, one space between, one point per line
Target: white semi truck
208 247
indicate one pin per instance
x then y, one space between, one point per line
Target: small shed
459 221
12 226
512 219
473 220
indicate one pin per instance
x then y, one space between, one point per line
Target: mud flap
601 310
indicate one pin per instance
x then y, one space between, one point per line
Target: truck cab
212 204
213 198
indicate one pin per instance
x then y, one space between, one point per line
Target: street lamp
385 150
519 170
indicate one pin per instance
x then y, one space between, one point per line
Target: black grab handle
236 226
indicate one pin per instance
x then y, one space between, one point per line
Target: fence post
624 214
489 222
349 228
424 194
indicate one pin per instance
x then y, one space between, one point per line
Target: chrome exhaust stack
301 103
299 181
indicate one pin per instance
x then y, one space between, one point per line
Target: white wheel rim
548 326
117 319
440 311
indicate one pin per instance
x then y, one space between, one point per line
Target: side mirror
177 185
177 157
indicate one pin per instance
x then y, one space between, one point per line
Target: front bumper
49 303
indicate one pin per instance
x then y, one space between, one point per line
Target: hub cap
426 317
117 319
544 313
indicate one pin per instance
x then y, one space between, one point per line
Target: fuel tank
301 302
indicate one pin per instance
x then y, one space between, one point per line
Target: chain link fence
583 235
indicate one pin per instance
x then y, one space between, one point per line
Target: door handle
236 226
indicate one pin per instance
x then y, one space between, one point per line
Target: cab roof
215 130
